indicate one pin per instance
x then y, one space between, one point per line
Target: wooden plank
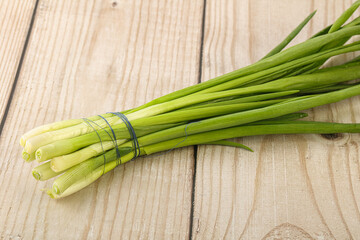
86 58
15 18
295 186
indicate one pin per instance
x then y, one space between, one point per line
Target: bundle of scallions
263 98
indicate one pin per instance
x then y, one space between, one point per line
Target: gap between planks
18 70
196 146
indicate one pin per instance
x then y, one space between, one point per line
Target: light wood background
70 59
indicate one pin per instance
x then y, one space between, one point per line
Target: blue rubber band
174 147
132 133
118 156
87 121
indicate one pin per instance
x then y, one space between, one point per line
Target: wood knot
332 136
114 4
287 231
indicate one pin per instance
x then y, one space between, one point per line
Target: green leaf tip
291 36
229 144
344 17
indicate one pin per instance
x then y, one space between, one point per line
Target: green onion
262 98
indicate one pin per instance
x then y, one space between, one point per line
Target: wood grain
15 18
292 187
86 58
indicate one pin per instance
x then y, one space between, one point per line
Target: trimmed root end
26 156
36 175
56 189
38 156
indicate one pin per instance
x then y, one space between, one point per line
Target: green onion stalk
266 97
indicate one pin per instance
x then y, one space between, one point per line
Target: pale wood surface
301 187
15 18
89 57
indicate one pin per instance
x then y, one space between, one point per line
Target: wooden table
70 59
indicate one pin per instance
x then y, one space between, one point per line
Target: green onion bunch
262 98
